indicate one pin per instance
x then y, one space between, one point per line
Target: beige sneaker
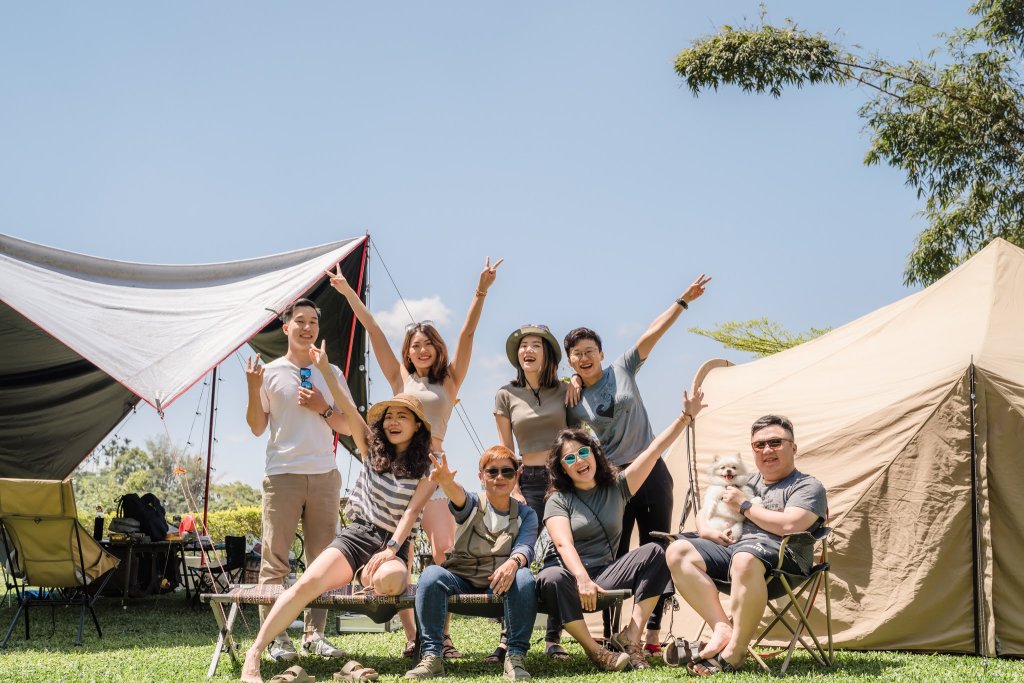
429 666
515 668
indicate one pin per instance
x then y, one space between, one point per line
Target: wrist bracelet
682 302
519 563
481 293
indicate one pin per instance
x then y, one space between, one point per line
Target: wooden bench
379 608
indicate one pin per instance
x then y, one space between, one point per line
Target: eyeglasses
304 375
412 327
768 443
581 454
580 355
493 472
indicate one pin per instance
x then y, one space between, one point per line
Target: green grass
161 639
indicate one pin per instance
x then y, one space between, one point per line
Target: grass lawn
161 639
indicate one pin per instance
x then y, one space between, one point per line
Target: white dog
726 470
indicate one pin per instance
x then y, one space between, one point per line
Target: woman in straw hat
387 497
426 372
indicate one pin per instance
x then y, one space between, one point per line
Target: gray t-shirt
798 490
615 411
595 517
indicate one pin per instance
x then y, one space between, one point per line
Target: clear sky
553 134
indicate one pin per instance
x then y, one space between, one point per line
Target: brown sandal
607 660
448 648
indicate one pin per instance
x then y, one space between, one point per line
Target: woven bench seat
379 608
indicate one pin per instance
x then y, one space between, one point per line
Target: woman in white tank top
426 372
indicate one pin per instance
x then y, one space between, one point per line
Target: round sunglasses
571 458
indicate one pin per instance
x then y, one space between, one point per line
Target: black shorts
360 540
718 558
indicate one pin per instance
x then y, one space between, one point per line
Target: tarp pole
209 451
979 620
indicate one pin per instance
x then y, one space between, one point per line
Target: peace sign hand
441 473
254 372
338 280
488 274
696 289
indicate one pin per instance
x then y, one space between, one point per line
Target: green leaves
761 337
954 126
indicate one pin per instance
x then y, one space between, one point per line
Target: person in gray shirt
611 406
790 502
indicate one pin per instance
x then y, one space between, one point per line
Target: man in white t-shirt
302 481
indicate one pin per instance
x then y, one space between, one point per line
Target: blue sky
555 135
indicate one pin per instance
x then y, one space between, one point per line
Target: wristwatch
744 506
327 413
392 544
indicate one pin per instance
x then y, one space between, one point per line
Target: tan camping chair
50 551
791 599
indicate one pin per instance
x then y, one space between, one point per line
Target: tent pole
979 621
209 450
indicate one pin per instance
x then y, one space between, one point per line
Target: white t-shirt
301 442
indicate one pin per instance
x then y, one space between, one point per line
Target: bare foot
251 667
720 637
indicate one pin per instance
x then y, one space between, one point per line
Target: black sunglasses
770 443
304 375
493 472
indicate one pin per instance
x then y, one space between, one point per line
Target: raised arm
661 324
637 472
459 365
255 416
386 359
318 356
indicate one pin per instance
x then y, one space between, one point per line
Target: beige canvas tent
913 418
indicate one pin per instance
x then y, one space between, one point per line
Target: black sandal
680 652
715 664
448 649
496 657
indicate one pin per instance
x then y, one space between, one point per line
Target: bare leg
329 570
749 598
689 573
641 611
578 630
408 616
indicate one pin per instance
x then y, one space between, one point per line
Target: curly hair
414 463
559 480
438 372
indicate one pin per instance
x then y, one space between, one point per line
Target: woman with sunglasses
583 516
387 497
426 372
529 412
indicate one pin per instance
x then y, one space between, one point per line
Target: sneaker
607 660
429 666
282 650
318 645
515 668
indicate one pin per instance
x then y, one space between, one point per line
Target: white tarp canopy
913 418
153 329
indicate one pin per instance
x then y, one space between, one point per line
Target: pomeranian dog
726 470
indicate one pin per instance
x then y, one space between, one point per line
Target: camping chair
217 576
791 599
49 550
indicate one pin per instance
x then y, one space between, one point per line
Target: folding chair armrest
815 536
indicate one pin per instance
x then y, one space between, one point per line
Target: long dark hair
438 372
559 480
548 375
414 463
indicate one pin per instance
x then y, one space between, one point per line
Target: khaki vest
478 552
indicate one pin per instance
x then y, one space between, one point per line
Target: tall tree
954 124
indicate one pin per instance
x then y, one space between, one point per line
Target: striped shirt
380 499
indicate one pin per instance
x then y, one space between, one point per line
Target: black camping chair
216 577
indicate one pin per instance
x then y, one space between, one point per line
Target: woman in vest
387 497
492 554
583 516
530 412
425 372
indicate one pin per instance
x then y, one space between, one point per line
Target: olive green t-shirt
595 517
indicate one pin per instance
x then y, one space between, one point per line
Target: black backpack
150 516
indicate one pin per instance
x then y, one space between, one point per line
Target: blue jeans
437 583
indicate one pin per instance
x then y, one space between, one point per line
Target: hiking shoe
637 653
515 668
607 660
318 645
282 650
429 666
